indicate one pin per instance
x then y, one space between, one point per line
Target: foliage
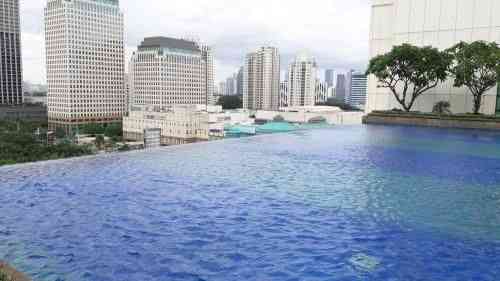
442 107
92 129
3 276
60 133
18 144
124 147
113 130
476 65
230 102
278 118
339 103
410 71
99 141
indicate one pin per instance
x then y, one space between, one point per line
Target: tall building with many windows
261 82
440 24
239 82
85 62
330 78
302 75
340 88
358 86
11 73
167 71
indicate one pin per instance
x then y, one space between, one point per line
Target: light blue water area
347 203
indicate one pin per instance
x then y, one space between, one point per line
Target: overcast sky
335 32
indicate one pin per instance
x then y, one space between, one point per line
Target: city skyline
223 26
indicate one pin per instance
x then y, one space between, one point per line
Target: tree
476 66
99 141
113 130
60 133
230 102
442 107
410 71
340 103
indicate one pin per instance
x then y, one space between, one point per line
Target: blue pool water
348 203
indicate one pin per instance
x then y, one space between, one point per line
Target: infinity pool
348 203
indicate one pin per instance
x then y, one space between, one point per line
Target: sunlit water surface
348 203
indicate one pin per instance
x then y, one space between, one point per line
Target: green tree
442 107
113 130
60 133
476 66
410 71
340 104
230 102
99 141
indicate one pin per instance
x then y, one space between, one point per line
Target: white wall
439 23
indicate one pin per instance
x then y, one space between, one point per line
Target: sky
335 32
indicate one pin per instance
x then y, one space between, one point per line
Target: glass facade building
11 90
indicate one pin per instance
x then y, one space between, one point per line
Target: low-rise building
179 124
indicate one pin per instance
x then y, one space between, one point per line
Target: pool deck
13 274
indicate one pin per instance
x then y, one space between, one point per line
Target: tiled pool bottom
348 203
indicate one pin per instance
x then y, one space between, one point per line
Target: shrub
442 107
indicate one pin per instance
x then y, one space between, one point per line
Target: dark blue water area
348 203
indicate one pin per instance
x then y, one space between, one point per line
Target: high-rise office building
239 82
222 88
283 94
166 71
330 78
440 24
321 92
261 82
85 62
340 88
11 73
302 75
358 86
208 73
230 87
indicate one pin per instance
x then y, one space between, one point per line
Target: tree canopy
409 71
476 66
230 102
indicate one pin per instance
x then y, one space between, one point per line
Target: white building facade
166 71
179 124
302 76
358 85
437 23
261 80
85 61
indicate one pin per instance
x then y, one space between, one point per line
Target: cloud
334 31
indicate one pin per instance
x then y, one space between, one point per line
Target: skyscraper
208 73
330 78
239 82
230 86
11 80
358 84
302 81
340 89
167 71
85 62
261 82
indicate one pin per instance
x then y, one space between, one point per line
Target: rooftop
170 43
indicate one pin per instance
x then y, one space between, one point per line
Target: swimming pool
348 203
